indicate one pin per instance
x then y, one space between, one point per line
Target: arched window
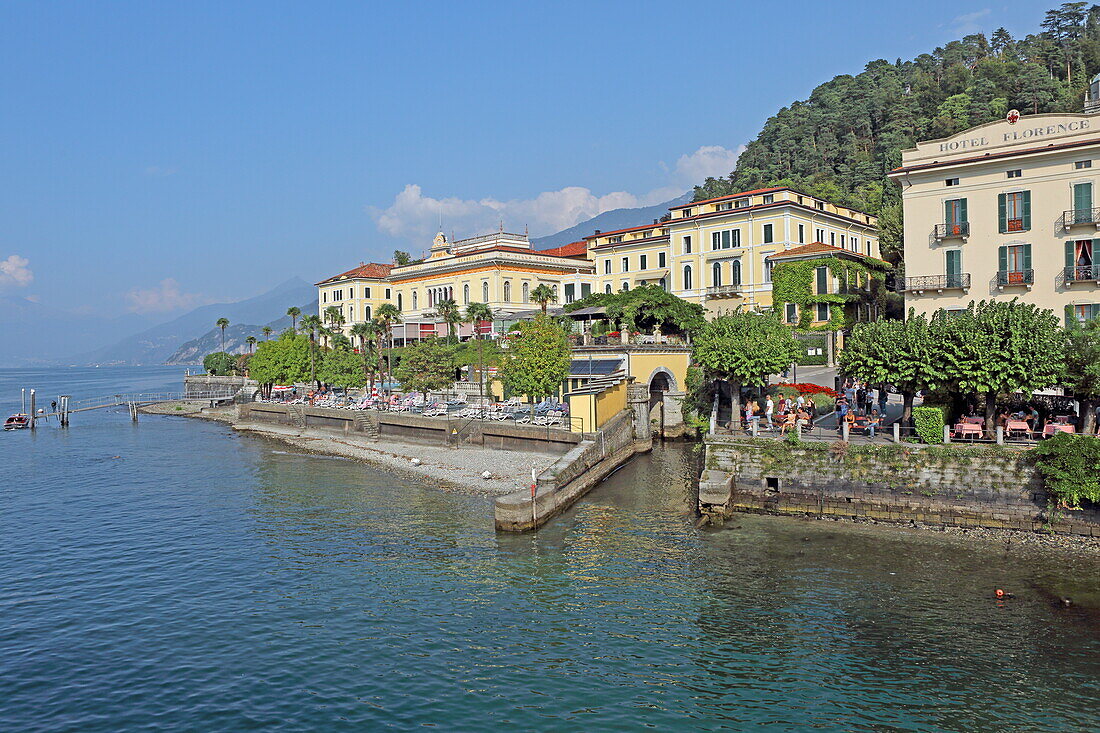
607 288
507 292
465 293
399 301
626 286
526 293
555 293
663 284
485 292
414 300
366 313
716 275
735 272
687 277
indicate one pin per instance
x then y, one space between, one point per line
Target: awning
594 367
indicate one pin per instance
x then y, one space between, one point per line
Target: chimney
654 221
598 231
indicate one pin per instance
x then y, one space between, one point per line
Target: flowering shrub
808 388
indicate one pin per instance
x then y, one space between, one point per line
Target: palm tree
312 324
386 316
294 313
366 333
267 332
449 313
475 314
222 323
544 295
251 341
334 317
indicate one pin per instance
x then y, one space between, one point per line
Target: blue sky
158 156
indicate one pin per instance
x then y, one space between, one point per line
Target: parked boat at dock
18 421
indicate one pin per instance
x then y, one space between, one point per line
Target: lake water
175 575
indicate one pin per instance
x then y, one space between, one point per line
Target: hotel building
499 269
1004 210
718 253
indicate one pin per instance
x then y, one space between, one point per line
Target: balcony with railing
1081 217
1083 274
1015 277
1014 225
921 283
952 230
725 291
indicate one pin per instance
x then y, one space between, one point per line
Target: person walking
883 398
769 409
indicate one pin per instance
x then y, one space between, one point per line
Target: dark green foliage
537 360
220 363
427 366
644 307
1083 370
1070 465
341 367
929 422
794 282
840 142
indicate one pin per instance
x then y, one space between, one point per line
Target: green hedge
929 422
1070 465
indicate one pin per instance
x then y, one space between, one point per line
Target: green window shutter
1082 197
954 262
1027 210
1027 256
1002 259
962 211
948 213
822 280
1069 254
1002 216
1069 316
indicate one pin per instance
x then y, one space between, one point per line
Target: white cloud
166 296
415 217
14 272
709 161
967 23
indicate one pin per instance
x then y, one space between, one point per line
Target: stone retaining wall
414 428
945 485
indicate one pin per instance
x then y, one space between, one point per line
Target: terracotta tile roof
573 249
819 248
731 196
373 271
658 225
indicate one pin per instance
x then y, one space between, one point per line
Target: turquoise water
175 575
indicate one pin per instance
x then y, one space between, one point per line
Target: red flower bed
808 388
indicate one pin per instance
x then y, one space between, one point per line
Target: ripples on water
174 574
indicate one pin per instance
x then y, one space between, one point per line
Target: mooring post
32 412
844 431
897 432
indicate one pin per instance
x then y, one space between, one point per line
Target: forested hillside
841 141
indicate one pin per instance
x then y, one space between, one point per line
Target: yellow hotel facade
717 253
1005 210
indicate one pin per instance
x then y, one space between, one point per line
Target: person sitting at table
804 418
1003 418
788 423
1032 417
850 418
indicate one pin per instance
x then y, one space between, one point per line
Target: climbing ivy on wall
795 282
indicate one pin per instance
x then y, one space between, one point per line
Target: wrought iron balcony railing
1083 273
1074 217
954 229
960 280
1015 277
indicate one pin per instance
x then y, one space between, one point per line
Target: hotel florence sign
1009 132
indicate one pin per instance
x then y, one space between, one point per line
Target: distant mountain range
608 221
160 343
38 335
236 335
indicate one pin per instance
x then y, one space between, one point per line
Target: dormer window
685 213
820 205
741 204
769 199
615 239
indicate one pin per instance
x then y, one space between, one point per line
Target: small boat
17 421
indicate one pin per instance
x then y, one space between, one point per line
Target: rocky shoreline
447 468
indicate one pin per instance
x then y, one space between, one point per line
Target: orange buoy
1000 593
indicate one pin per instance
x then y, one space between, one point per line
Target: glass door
954 268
